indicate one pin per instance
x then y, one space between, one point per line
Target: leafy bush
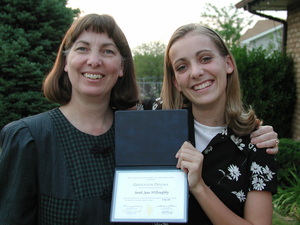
268 85
288 159
287 200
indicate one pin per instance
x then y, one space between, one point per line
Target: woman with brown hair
57 167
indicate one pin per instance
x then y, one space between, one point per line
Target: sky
144 21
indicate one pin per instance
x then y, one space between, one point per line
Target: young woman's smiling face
93 64
200 70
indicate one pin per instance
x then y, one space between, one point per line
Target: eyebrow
80 41
196 54
109 44
87 43
203 50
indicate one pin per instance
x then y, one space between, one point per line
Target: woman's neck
213 117
94 119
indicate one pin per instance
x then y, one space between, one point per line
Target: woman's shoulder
36 123
152 104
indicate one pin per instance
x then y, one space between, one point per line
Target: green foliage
268 85
287 200
279 219
148 59
30 34
227 21
288 158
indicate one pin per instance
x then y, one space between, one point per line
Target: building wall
269 40
293 48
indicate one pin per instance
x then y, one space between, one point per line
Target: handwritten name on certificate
150 196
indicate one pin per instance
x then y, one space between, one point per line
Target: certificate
150 196
147 185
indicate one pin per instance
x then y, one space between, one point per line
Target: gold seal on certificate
147 185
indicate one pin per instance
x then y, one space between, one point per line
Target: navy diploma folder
149 137
147 185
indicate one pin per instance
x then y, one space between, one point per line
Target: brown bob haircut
57 86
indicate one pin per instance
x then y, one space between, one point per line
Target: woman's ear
121 73
66 66
229 65
176 84
66 63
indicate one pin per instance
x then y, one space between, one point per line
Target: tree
148 59
227 21
30 34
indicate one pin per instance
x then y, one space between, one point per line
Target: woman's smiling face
93 64
200 70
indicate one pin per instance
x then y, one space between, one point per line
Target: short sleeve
263 171
18 175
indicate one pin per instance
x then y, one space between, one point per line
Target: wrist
199 189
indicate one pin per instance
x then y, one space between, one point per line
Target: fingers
272 143
266 137
273 151
188 157
184 148
182 154
190 160
258 123
266 132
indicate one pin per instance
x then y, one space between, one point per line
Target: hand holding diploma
190 160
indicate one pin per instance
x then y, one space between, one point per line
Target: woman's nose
196 70
94 59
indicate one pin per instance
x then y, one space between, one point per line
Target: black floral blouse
232 167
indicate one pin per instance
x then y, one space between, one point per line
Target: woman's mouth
202 85
93 76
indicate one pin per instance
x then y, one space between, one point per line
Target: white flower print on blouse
240 195
238 142
234 173
269 174
224 131
252 147
258 183
255 168
260 175
208 149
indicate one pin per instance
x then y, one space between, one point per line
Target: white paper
150 196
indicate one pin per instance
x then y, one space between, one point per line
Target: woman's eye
108 52
206 59
180 68
81 49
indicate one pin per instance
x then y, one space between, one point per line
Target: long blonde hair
240 120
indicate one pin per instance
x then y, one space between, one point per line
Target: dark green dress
51 173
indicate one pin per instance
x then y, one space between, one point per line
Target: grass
281 220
